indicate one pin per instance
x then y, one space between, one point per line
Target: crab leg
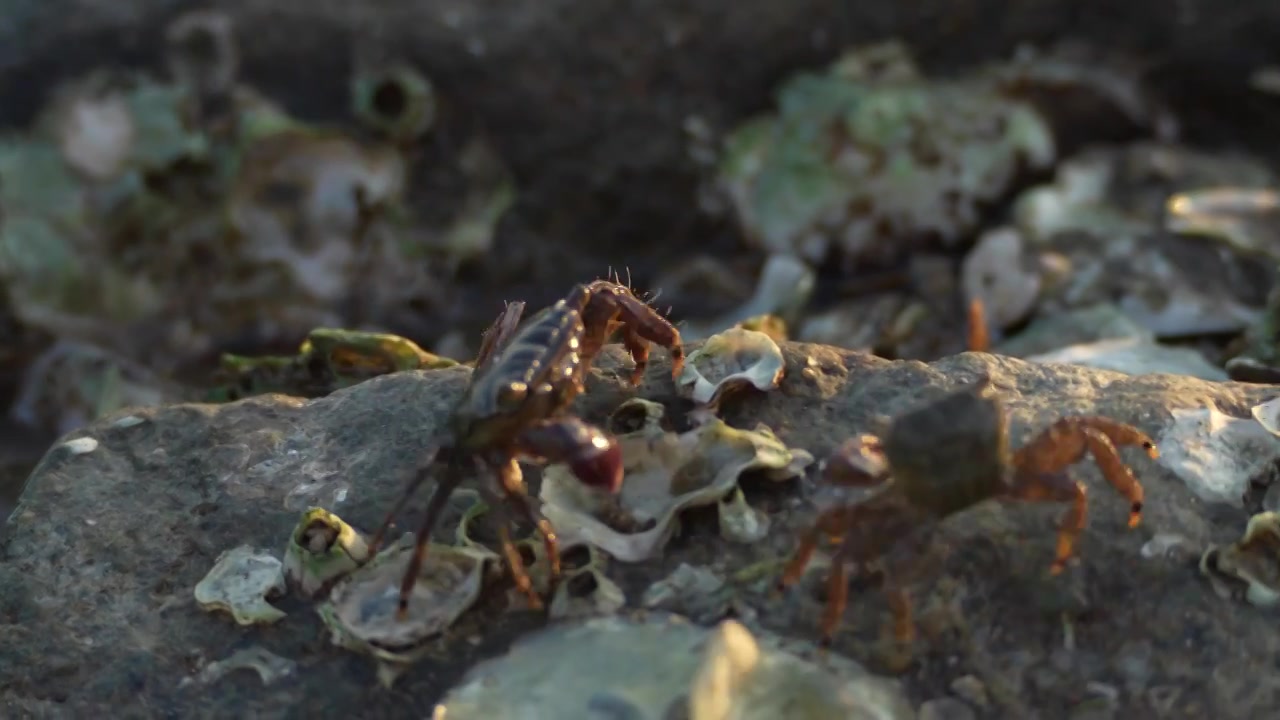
979 337
1056 487
435 505
904 627
512 480
602 302
837 598
420 476
1068 440
511 553
800 559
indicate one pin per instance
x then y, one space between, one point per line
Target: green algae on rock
868 156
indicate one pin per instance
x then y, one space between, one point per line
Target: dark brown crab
939 459
515 407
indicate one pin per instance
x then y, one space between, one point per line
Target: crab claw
599 465
591 453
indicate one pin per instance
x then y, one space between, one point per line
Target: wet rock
101 556
946 709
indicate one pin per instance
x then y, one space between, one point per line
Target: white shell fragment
1250 567
739 522
692 591
997 272
361 609
731 360
1236 216
1135 356
655 666
321 550
241 583
81 445
665 473
1215 454
269 666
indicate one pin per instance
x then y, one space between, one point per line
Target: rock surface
100 558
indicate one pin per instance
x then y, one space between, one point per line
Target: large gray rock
101 556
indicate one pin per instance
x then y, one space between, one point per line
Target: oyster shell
1249 567
1246 219
322 550
1095 218
1215 454
997 272
240 583
869 158
361 610
269 667
730 361
665 473
654 666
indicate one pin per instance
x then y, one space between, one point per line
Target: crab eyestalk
397 102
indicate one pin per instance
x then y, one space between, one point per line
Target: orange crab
944 457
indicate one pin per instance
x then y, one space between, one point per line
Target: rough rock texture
587 101
100 558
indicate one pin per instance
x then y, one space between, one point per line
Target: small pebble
1165 546
970 689
946 709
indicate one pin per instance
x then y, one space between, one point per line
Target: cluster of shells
1097 253
710 673
149 219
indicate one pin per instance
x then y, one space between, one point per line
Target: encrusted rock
101 556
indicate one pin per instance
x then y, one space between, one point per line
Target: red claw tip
600 467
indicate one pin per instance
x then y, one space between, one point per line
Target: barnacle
241 583
322 549
395 100
1249 567
730 361
586 590
665 474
